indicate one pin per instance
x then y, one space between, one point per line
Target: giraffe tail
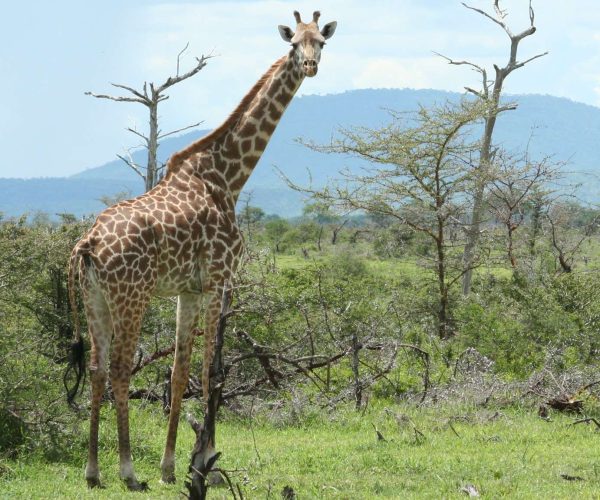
76 362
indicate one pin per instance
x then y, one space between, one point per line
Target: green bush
345 264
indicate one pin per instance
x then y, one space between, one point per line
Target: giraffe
178 239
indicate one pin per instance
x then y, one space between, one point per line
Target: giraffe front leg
211 323
188 313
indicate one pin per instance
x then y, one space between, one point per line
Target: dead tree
204 454
489 94
277 366
150 96
564 241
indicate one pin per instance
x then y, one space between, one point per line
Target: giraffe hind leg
100 331
127 319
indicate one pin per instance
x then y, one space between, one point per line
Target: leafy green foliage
35 325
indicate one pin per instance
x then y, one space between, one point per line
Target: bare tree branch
485 84
475 92
521 64
499 22
116 98
136 93
531 14
139 134
131 164
507 107
201 63
179 55
162 136
499 12
460 63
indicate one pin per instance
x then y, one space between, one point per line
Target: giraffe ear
286 33
329 29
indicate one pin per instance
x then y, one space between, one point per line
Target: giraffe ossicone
178 239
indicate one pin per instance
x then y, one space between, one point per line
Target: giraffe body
178 239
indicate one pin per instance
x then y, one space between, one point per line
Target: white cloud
394 73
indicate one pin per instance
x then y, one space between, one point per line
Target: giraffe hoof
94 482
168 479
134 485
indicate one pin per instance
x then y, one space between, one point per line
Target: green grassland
508 453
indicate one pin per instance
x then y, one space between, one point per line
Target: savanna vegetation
340 382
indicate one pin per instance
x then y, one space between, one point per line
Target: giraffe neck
239 149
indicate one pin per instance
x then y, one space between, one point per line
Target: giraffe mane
204 142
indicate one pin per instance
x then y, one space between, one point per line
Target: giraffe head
307 41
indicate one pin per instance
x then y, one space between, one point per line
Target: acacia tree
150 96
321 213
489 94
275 230
515 187
249 216
420 169
559 223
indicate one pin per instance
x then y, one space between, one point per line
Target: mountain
554 126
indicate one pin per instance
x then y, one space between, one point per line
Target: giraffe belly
177 283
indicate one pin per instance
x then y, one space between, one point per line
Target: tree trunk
443 329
483 172
510 246
319 238
536 225
564 264
443 320
151 171
336 231
355 371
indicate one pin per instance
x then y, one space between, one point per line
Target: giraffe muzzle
310 67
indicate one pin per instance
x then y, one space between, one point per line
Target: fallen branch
586 387
565 403
379 434
453 429
261 353
587 421
163 353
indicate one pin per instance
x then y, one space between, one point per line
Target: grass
511 453
382 268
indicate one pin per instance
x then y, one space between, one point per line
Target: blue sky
52 52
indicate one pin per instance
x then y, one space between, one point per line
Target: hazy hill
560 127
